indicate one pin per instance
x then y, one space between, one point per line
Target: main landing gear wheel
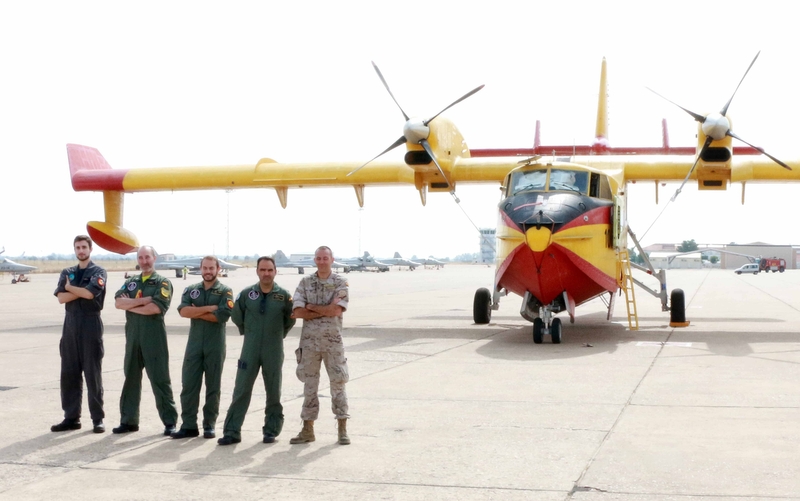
555 330
538 330
482 306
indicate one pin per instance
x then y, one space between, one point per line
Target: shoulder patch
230 303
165 292
101 282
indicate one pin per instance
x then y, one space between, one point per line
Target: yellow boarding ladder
625 282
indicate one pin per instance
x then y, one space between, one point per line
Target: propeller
716 126
415 131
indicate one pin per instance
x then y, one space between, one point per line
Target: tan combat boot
306 434
343 438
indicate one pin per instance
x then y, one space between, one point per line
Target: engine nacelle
713 170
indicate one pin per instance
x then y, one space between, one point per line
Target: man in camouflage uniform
145 299
208 304
320 300
82 291
263 314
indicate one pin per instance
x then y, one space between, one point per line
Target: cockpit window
530 180
561 179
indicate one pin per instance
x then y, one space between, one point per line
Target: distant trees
687 246
635 257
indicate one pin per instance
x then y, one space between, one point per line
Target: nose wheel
541 329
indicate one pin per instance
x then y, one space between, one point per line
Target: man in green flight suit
145 299
262 313
208 304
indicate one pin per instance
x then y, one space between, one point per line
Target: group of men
264 313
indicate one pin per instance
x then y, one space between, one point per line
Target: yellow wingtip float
562 231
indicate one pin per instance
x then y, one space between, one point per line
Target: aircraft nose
538 239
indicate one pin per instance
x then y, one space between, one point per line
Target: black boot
66 425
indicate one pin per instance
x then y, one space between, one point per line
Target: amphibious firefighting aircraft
17 270
562 234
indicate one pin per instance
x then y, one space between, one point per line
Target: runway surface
442 408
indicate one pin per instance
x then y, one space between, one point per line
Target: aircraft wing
91 172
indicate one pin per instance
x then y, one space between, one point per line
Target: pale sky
155 84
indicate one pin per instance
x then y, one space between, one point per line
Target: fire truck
772 264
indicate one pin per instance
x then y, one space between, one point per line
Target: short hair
82 238
324 247
266 258
152 250
210 258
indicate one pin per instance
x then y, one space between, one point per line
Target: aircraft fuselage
554 239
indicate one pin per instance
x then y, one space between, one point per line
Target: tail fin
397 255
280 257
601 143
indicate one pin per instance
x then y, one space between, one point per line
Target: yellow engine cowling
713 171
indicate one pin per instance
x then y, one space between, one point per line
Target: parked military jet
399 260
191 264
364 263
17 270
281 261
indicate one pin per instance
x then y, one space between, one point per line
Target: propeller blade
759 149
696 116
390 93
473 91
428 148
702 150
394 145
725 108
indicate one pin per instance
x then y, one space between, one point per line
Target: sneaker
66 425
125 428
228 440
169 429
209 433
98 426
184 433
269 438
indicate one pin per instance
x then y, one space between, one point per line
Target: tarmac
443 409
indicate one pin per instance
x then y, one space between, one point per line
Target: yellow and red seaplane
562 235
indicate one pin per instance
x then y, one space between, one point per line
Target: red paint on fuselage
547 274
556 269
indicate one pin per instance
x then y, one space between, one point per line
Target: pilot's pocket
300 371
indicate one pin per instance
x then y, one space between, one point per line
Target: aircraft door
619 223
